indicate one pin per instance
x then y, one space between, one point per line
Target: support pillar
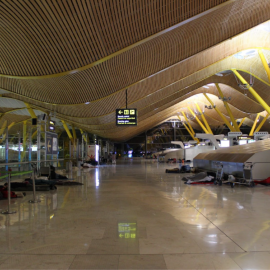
204 119
199 122
190 133
30 147
265 64
6 148
24 140
252 91
261 124
254 125
220 113
38 146
227 108
242 121
77 150
145 144
190 127
83 140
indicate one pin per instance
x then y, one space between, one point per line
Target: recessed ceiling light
205 86
87 103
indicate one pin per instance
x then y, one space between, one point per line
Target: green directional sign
126 117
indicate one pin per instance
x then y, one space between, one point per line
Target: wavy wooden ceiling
57 55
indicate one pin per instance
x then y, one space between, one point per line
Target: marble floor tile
141 262
200 261
252 260
95 262
37 262
163 232
114 246
168 246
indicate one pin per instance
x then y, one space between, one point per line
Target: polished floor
135 216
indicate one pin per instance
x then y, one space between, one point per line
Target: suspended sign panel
126 117
51 143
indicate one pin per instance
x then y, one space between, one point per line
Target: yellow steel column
3 127
254 125
252 91
30 110
204 119
83 135
228 108
199 122
34 134
261 124
190 133
190 127
265 64
67 131
220 114
9 127
242 121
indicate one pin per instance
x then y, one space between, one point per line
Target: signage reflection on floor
127 230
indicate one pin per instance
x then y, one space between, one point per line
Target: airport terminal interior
134 134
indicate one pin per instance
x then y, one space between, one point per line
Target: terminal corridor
135 216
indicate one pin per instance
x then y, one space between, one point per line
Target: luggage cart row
247 179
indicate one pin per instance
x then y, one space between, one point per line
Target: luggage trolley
219 173
247 176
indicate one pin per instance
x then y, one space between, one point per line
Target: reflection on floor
135 216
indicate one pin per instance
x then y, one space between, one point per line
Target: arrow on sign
49 146
120 112
121 235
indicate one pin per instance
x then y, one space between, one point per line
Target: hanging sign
51 143
126 117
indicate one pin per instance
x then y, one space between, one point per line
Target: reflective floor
135 216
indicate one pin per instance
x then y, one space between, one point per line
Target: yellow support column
228 108
204 119
242 121
190 133
30 110
3 127
190 127
254 125
198 120
261 124
9 127
220 114
34 134
67 131
83 135
252 91
265 64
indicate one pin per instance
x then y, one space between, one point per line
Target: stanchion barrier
9 191
9 188
35 200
